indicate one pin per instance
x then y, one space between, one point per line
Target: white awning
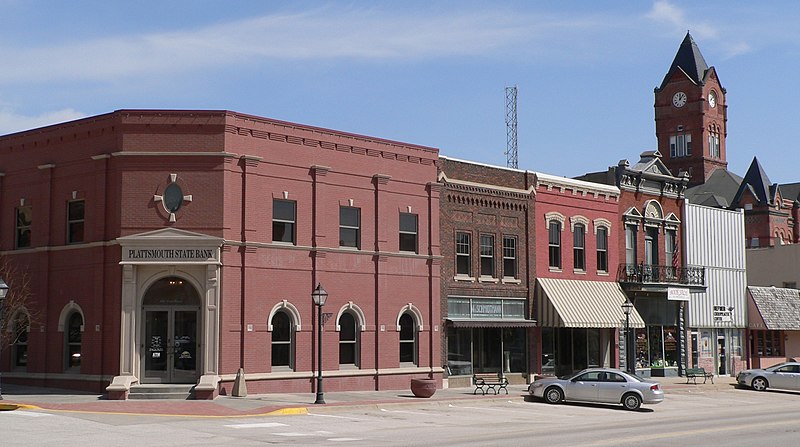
582 304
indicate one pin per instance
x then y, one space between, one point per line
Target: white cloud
12 122
665 12
319 34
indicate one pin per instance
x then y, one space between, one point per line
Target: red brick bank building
180 247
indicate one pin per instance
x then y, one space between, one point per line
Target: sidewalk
48 399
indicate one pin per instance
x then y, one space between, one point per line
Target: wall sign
723 314
677 294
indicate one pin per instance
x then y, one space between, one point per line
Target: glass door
170 346
156 340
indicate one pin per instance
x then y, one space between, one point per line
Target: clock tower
691 116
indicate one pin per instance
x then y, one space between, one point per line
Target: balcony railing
661 274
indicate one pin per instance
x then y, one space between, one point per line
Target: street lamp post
319 295
3 293
629 365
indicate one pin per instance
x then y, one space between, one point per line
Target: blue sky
423 72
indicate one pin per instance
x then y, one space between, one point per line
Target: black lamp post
3 293
630 365
319 295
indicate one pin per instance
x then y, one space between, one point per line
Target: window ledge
555 269
512 281
463 278
490 279
579 272
602 273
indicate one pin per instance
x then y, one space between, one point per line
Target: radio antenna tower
511 127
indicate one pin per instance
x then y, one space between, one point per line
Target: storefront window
657 347
486 350
548 351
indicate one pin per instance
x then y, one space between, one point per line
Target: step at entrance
161 391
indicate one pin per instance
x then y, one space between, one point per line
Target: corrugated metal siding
714 239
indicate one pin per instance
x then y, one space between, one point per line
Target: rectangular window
487 255
463 260
602 249
713 145
349 227
579 247
284 220
554 244
671 253
630 244
23 233
680 145
509 256
408 232
75 221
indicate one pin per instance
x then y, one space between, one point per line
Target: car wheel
631 401
759 384
553 395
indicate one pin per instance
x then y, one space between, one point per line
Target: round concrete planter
423 387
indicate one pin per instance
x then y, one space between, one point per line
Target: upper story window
671 248
509 256
602 249
651 246
463 258
630 244
349 227
408 232
680 145
75 221
579 247
487 255
554 244
284 221
22 238
713 145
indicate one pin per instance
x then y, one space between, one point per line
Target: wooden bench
489 381
694 373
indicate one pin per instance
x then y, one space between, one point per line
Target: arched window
19 349
348 340
408 340
72 342
282 340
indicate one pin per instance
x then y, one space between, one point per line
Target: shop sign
168 254
487 309
677 294
723 314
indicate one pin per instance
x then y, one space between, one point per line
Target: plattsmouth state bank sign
170 246
168 254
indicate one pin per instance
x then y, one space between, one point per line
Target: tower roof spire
689 60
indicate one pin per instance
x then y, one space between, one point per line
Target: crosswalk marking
257 425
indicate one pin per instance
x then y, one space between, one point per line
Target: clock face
712 99
679 99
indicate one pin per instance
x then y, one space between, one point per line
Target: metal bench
489 381
694 373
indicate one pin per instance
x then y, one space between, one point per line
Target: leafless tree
18 303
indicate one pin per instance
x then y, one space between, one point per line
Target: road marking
28 414
257 425
344 439
293 435
406 412
338 417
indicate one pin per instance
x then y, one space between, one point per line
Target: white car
606 385
785 376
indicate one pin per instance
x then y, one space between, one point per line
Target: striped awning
582 304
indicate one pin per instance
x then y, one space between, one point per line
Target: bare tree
18 302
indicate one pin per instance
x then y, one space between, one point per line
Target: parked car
606 385
785 376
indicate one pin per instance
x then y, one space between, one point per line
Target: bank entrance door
170 334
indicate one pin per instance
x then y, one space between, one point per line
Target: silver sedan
604 385
785 376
